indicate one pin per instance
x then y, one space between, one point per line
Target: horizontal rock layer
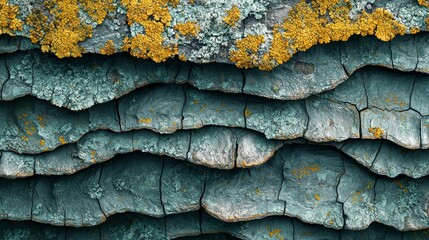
196 225
34 126
316 184
96 79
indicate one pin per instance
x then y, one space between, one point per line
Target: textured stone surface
70 201
36 126
309 186
314 71
386 158
314 149
279 120
206 108
94 79
331 121
244 194
131 187
400 127
197 225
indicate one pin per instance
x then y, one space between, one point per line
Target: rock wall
256 119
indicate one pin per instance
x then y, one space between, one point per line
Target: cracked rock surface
332 144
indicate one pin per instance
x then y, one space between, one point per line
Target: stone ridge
357 109
214 147
196 225
95 79
250 33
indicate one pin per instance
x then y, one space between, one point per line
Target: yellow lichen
317 197
154 16
63 33
187 28
145 120
318 22
246 54
61 30
42 142
247 113
98 9
377 132
305 171
400 185
108 49
62 140
232 16
8 18
424 3
93 154
182 57
427 23
276 232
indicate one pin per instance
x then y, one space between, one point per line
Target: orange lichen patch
154 16
62 30
427 23
232 16
276 232
377 132
182 57
93 153
393 99
39 24
400 185
42 142
63 33
24 138
247 113
62 140
187 28
305 171
8 18
246 54
357 197
414 30
98 9
317 197
424 3
319 22
108 49
145 120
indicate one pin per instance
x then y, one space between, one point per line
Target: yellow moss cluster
62 30
318 22
187 28
109 48
232 16
8 18
154 16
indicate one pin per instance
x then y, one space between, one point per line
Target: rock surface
331 143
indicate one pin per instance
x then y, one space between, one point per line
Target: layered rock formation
136 136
